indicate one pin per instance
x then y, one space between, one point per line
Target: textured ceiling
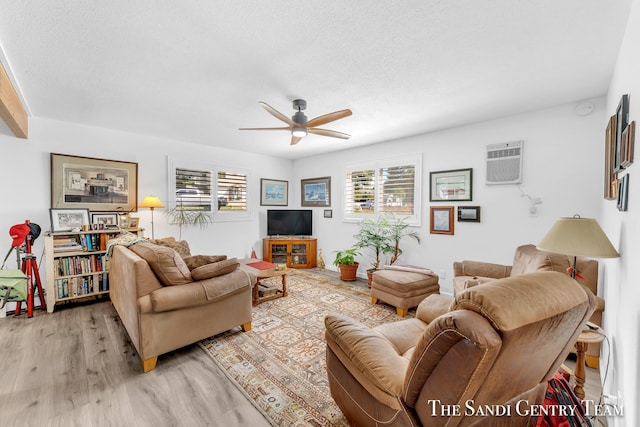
195 70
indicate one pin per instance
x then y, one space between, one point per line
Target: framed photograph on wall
316 191
274 192
610 190
468 213
68 219
628 137
623 192
328 213
94 184
622 119
451 185
441 220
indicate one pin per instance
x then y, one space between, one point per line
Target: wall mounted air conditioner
504 163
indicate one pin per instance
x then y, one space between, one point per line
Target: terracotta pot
348 272
370 275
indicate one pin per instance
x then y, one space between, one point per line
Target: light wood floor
77 367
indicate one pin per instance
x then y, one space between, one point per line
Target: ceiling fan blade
295 139
327 132
277 114
283 128
327 118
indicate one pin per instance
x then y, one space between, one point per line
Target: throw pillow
215 269
182 247
196 261
167 265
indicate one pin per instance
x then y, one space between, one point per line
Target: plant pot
370 275
348 272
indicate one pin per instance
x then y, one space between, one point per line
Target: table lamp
151 202
578 237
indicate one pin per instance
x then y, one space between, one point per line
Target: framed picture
274 192
610 189
133 222
316 191
468 213
68 219
328 213
451 185
623 192
628 135
105 219
94 184
441 220
622 118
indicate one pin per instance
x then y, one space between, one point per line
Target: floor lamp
578 237
151 202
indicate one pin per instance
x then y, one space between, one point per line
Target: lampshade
578 237
151 202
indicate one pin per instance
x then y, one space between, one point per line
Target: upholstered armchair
527 259
494 344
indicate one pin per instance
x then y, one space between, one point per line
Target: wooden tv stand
296 252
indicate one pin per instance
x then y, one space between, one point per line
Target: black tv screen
289 222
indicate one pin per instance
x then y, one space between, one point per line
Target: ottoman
403 288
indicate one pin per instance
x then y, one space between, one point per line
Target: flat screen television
289 222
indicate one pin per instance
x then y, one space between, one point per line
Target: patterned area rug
280 363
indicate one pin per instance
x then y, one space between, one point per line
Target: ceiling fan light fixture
299 131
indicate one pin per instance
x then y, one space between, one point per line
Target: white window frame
223 215
171 175
376 165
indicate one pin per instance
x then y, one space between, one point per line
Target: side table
590 336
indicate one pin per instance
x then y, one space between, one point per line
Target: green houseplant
382 236
346 263
185 216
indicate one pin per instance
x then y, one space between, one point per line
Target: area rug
280 364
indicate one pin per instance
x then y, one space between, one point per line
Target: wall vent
504 163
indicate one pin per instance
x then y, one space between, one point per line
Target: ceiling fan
298 124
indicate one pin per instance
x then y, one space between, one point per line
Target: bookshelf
76 265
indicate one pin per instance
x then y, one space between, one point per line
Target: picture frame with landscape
107 219
316 191
451 185
274 192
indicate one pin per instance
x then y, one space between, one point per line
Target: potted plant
398 229
373 234
346 263
187 216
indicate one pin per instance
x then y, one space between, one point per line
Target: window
193 189
383 186
231 190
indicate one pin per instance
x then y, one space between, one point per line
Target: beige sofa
164 305
495 344
528 259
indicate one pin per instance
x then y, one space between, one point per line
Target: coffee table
264 274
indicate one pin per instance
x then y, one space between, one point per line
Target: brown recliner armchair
495 344
528 259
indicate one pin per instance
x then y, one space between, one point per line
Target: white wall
622 291
563 160
25 177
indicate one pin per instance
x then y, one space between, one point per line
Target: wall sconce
533 202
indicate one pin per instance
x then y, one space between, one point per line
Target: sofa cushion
195 261
529 259
215 269
167 265
182 247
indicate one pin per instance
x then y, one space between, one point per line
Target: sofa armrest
484 269
369 352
